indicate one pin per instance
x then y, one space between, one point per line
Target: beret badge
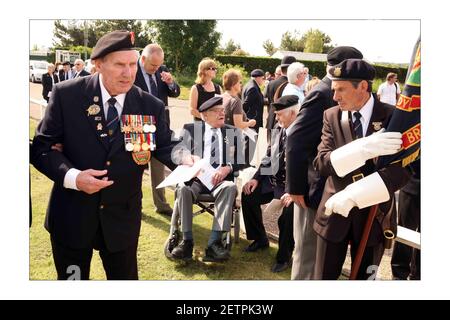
337 72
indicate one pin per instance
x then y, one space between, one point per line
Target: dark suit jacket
73 217
302 142
233 147
335 227
270 92
83 73
270 165
253 102
47 84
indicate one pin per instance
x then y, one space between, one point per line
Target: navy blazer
253 102
73 217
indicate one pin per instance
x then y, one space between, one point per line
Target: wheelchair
205 202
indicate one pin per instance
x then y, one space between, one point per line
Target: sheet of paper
182 173
206 175
275 206
252 134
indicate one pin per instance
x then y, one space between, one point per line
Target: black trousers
405 263
330 258
254 226
74 264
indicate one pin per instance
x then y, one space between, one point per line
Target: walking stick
363 242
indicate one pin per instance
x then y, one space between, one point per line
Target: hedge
316 68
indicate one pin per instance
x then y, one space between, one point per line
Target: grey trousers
159 195
224 195
305 238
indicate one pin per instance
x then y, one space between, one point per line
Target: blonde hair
203 67
230 78
311 83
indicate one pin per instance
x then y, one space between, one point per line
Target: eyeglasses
212 68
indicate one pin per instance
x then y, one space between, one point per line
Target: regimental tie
112 119
215 161
153 87
357 126
280 176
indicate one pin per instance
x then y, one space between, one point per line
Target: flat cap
352 69
257 73
208 104
119 40
285 102
287 60
339 54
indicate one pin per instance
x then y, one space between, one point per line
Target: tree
186 42
142 33
316 41
292 42
269 47
231 47
239 52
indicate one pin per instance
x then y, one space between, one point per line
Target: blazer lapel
92 106
378 118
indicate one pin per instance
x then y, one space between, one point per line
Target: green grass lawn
153 265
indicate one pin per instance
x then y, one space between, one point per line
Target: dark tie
357 126
66 76
280 176
153 87
112 119
215 161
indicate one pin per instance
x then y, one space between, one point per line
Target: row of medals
139 132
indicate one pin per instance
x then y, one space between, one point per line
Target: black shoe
257 245
280 266
165 212
171 243
216 252
183 250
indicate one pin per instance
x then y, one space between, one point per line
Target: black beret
287 60
339 54
257 73
285 102
66 63
208 104
352 69
114 41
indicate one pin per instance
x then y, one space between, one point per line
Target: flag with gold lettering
406 116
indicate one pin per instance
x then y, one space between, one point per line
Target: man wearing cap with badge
272 89
109 129
66 72
154 77
303 183
269 183
352 138
253 99
222 145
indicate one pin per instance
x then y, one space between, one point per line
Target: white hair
80 61
294 70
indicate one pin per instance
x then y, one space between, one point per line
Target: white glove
355 154
363 193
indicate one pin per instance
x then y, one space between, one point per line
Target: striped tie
215 161
112 119
357 126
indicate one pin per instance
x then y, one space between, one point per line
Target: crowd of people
102 130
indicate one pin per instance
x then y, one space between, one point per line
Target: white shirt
388 93
292 89
366 113
71 176
207 137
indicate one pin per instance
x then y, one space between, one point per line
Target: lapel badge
99 127
96 99
337 72
98 118
377 125
93 110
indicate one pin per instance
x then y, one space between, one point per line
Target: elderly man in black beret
221 145
269 183
303 182
109 130
253 99
352 139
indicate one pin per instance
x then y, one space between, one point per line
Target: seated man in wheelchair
222 145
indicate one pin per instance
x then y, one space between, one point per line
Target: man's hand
298 199
166 77
57 147
252 123
286 200
339 203
220 174
87 182
250 186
